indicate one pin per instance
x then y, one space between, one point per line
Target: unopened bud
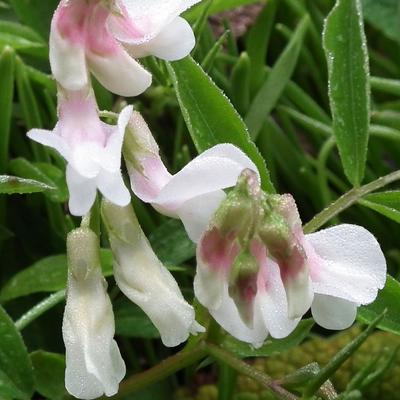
139 143
243 284
240 211
83 252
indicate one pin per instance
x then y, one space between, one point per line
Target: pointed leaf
209 115
349 88
16 185
16 374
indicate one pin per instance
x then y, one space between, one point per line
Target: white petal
147 19
174 42
51 139
82 192
113 188
332 312
202 175
113 149
67 60
120 73
349 263
144 280
273 302
227 315
196 213
94 364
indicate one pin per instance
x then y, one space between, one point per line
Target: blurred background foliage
268 59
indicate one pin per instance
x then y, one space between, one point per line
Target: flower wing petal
350 263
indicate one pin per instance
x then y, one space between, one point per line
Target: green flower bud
82 252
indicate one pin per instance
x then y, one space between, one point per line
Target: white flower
258 273
91 35
241 287
91 148
194 193
144 279
94 363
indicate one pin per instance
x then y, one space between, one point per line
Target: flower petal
119 73
174 42
82 192
113 149
206 173
272 301
67 59
144 280
196 213
348 263
146 20
113 188
51 139
332 312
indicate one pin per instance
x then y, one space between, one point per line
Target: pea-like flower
145 280
91 148
258 273
194 193
94 363
105 37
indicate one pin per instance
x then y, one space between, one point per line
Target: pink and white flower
261 280
91 148
194 193
97 35
94 363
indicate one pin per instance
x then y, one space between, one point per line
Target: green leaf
271 346
49 369
385 203
209 116
388 298
16 185
216 7
7 64
277 79
35 13
384 15
131 321
46 275
43 172
16 374
349 88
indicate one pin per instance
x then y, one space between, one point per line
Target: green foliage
349 91
209 115
16 373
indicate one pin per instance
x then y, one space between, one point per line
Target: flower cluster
257 272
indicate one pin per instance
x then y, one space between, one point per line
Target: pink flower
91 148
258 273
87 35
194 193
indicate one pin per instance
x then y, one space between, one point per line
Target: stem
245 369
40 308
165 368
348 199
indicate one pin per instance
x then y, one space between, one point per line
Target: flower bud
243 284
93 362
144 279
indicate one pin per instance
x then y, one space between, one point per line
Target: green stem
40 308
348 199
165 368
245 369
